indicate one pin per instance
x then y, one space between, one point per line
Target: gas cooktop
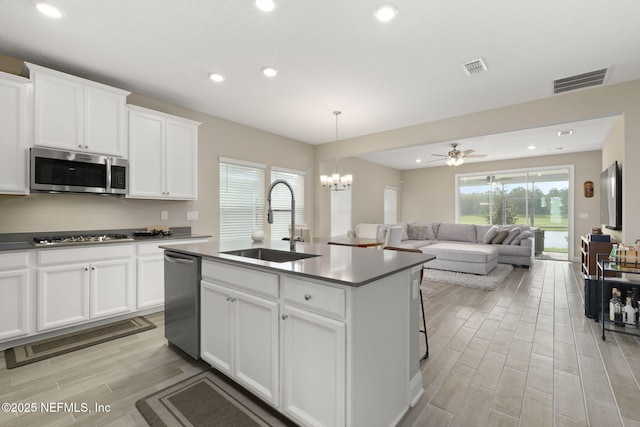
80 238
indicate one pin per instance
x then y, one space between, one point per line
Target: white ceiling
586 135
331 55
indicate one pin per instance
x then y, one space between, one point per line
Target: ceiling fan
456 157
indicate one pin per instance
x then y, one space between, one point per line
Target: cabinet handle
86 269
231 299
93 268
307 297
284 316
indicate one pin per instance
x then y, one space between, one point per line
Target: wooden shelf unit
589 252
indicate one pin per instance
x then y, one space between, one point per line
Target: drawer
14 260
315 297
246 279
84 254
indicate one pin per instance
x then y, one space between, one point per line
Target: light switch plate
164 215
192 215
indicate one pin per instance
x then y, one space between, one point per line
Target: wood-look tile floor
522 355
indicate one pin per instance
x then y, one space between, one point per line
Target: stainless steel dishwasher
182 302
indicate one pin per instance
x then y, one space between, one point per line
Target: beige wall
367 193
429 194
216 138
613 150
622 99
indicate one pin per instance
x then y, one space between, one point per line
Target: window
242 204
340 213
281 199
536 197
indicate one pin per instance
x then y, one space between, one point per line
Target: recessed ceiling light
565 132
531 147
48 10
266 5
386 12
216 77
269 71
418 160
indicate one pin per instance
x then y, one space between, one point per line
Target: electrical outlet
192 215
584 215
164 215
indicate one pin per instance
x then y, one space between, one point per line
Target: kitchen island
329 339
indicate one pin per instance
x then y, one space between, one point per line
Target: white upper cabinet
76 114
13 134
163 156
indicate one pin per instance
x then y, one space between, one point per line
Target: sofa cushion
520 237
457 232
512 235
502 234
489 235
420 232
463 252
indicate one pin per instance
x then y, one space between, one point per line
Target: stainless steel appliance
79 238
182 302
55 171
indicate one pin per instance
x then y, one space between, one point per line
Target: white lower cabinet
313 367
343 353
240 337
14 295
81 284
150 272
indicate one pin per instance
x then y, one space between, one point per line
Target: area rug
488 282
50 347
207 399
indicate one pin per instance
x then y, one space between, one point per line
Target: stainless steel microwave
55 171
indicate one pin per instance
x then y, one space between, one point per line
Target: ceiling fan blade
466 152
476 156
441 155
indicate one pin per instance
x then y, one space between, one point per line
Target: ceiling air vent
474 67
579 81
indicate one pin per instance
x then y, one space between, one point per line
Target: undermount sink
273 255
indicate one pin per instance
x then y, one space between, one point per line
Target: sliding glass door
535 197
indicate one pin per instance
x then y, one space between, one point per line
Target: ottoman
463 257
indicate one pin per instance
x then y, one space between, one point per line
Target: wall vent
579 81
474 67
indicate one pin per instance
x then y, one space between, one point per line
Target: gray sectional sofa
467 248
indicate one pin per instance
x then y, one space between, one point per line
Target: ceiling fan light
458 161
451 161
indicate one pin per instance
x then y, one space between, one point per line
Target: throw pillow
502 234
490 234
520 237
417 232
512 235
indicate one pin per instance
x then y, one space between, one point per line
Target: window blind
340 213
242 200
281 199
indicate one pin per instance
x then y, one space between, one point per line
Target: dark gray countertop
24 241
345 265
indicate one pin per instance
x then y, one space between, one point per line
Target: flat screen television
611 197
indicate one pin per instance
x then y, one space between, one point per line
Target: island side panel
382 340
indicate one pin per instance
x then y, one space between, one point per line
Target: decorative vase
257 235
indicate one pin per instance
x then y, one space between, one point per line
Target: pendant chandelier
335 181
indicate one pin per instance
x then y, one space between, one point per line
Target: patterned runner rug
208 399
50 347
